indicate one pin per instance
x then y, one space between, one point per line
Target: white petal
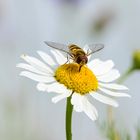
30 68
76 101
110 76
94 63
57 87
37 64
41 87
115 94
46 58
36 77
113 86
103 68
104 99
61 96
59 57
90 110
81 103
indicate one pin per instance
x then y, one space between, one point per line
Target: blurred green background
27 114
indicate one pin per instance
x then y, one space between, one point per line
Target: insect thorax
75 50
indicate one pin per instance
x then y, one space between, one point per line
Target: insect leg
68 58
88 51
80 68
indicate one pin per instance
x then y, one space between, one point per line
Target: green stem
120 81
125 75
69 110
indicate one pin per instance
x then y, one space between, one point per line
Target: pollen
82 82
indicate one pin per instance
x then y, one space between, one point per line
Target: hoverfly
77 54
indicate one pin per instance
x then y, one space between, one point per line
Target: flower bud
136 59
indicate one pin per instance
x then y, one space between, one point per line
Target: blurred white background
26 113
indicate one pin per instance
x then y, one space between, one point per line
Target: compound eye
79 59
86 60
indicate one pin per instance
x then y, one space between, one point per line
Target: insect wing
95 48
58 46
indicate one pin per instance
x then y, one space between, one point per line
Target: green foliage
138 133
111 132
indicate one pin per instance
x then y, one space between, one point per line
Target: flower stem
69 110
125 75
120 81
110 113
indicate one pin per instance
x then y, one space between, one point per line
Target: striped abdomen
78 54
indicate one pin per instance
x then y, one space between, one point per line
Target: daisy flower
95 80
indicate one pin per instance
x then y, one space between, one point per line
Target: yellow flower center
83 81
